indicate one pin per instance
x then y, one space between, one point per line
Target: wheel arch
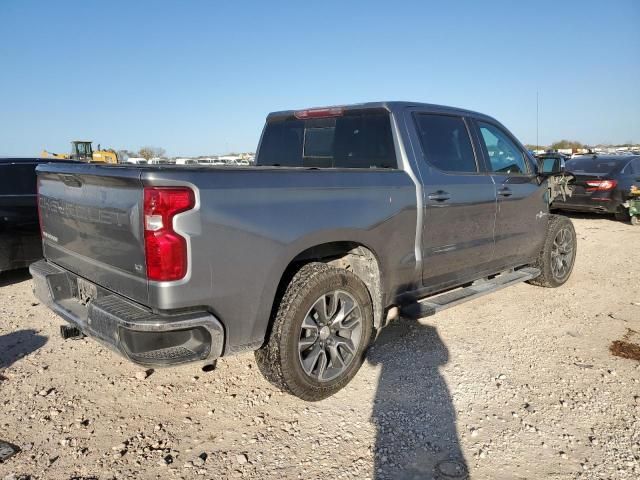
355 256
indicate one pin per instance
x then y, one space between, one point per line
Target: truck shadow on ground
15 345
413 410
14 276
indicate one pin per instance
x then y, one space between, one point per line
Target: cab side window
446 143
504 155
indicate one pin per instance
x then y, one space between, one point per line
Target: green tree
528 146
566 144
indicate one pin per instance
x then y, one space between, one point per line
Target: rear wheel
558 254
320 333
622 214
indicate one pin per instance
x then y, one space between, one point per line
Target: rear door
459 200
91 224
521 219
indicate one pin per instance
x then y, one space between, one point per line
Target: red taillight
319 113
600 185
165 250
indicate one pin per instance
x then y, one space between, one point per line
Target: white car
137 160
186 161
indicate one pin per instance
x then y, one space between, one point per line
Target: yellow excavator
82 151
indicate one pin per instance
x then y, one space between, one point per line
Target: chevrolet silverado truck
351 215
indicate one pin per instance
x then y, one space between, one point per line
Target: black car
602 184
20 243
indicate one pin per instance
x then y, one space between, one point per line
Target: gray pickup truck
352 215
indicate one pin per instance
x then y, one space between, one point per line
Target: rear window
18 178
350 141
591 165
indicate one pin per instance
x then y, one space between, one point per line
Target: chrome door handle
439 196
505 192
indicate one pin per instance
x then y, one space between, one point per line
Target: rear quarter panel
250 223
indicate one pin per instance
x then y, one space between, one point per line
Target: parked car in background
158 161
136 160
20 243
602 184
206 161
186 161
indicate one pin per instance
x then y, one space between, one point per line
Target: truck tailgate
91 224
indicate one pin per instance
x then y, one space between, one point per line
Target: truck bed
247 224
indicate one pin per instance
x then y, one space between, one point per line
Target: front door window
504 156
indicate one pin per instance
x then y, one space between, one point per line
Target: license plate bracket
87 291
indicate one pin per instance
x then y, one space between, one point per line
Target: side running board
432 305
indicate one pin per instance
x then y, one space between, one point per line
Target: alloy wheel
330 335
562 253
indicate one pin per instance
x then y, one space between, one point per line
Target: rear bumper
608 201
134 331
588 205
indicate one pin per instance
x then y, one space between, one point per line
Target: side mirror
551 166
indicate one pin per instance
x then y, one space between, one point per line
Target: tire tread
543 262
272 359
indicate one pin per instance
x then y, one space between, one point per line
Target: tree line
572 144
146 152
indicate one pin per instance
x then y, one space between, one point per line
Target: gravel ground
519 384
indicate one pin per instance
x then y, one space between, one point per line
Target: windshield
591 165
350 141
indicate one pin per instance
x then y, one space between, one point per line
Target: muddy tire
558 254
320 333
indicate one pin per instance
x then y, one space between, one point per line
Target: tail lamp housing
165 249
601 185
326 112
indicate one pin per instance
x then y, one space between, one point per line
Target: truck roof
390 106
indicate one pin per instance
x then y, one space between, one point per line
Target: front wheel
558 254
320 333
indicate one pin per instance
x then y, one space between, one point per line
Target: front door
521 221
459 201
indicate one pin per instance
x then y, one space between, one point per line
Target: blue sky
198 77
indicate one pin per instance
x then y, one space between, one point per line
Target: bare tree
159 152
151 152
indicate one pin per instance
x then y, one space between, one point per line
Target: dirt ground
520 384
